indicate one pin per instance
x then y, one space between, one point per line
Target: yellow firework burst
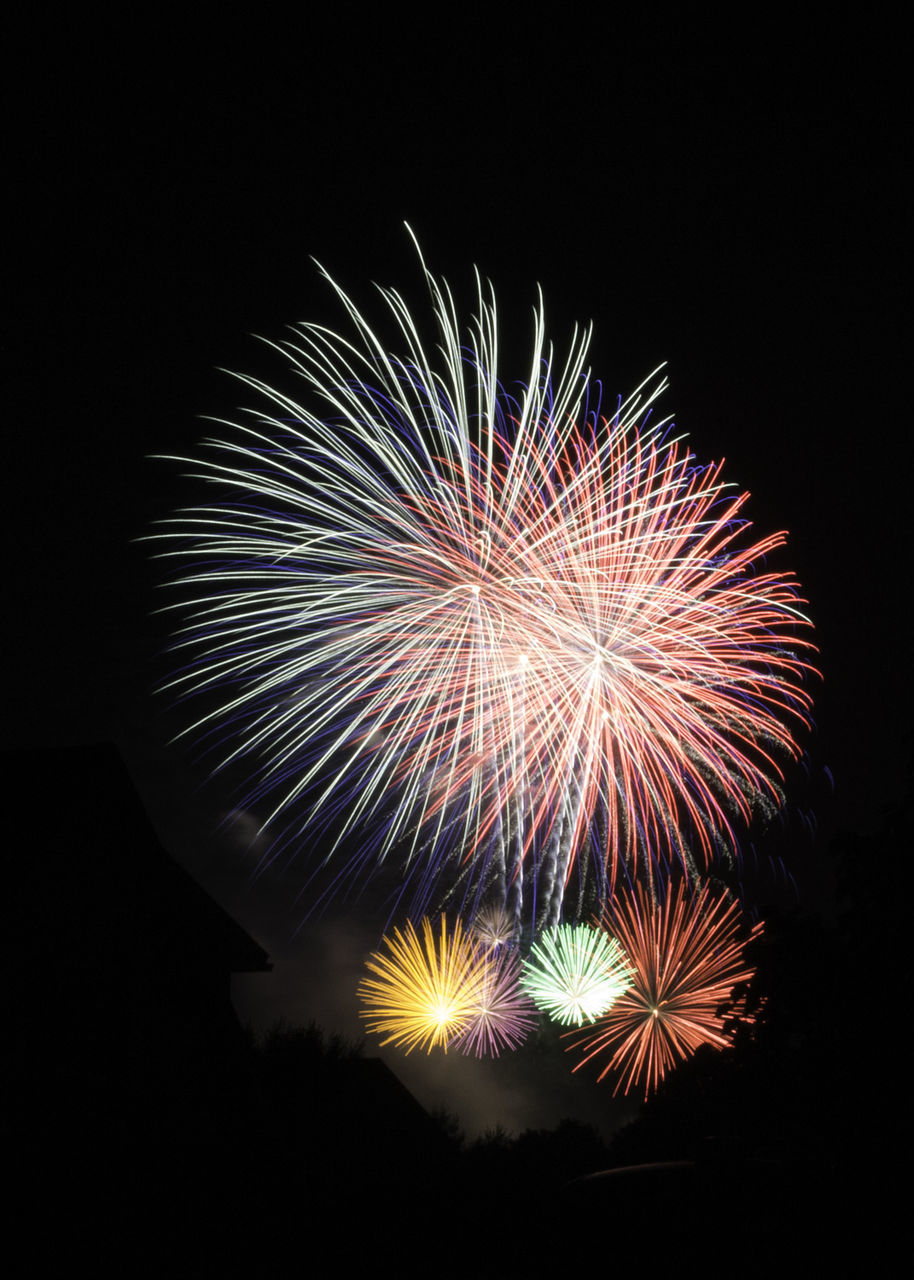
425 990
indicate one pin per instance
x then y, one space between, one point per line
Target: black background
733 199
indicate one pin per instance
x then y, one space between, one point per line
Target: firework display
493 927
523 660
467 627
426 991
575 973
503 1015
687 956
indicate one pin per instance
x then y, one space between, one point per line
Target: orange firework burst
687 957
426 991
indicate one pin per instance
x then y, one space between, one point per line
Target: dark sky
733 203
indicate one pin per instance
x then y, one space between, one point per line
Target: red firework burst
687 956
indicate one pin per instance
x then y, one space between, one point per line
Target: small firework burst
494 928
575 973
504 1014
687 956
426 990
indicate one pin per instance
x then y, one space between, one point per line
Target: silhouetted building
118 964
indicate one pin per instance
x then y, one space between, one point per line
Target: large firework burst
575 973
468 622
425 992
687 955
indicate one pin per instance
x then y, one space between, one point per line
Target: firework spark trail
575 973
430 605
687 956
558 853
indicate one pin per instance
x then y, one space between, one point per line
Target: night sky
736 204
